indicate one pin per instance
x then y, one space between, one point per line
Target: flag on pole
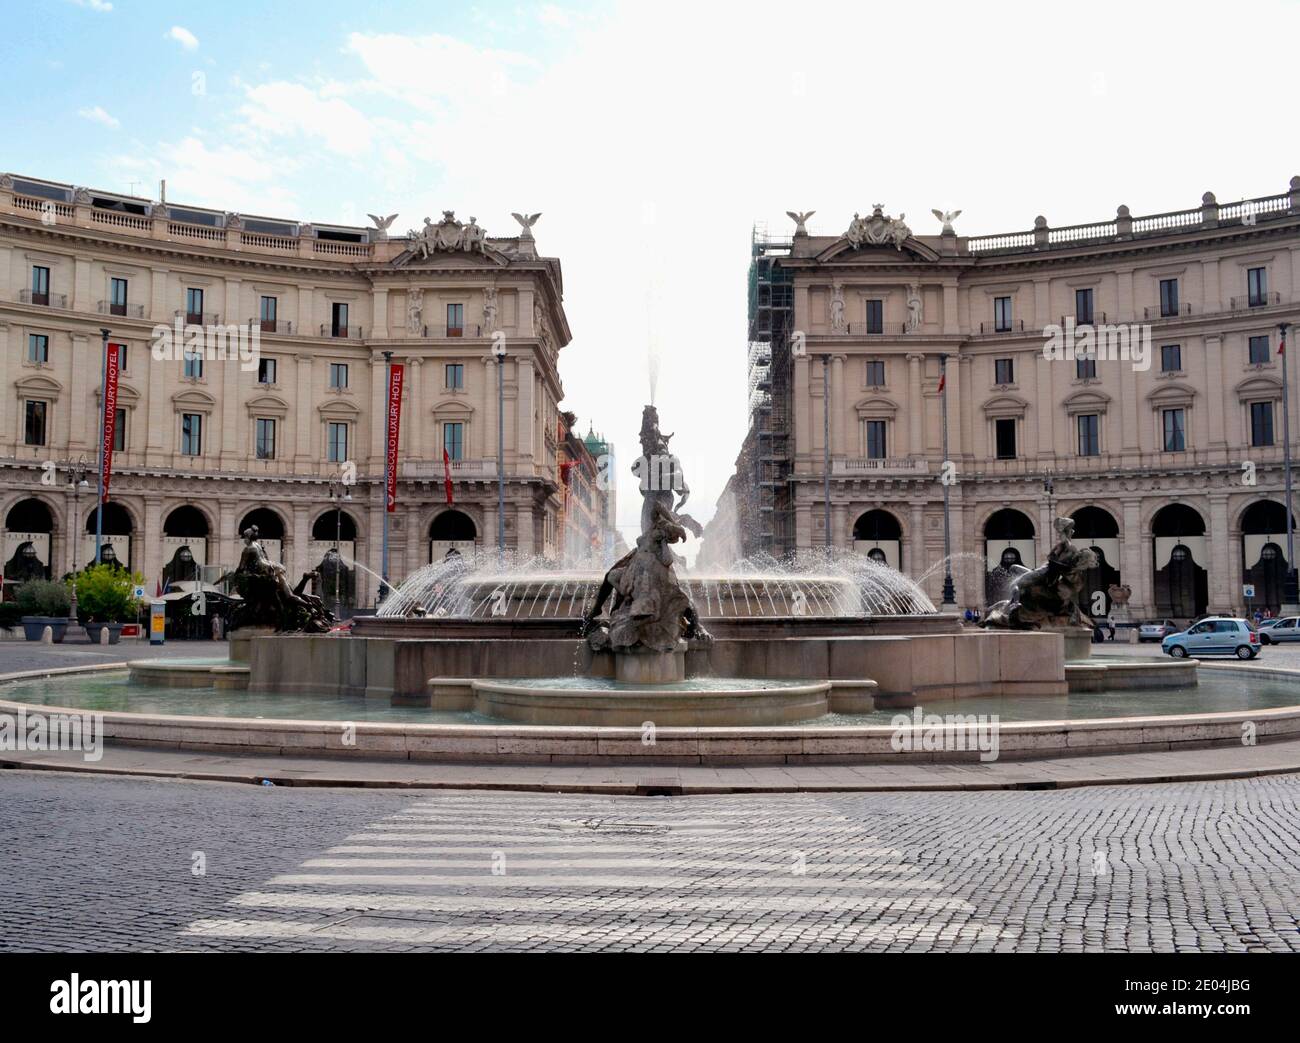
943 380
1281 343
446 474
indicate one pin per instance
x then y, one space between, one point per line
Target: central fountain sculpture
652 617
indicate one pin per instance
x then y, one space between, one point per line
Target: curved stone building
1165 445
278 418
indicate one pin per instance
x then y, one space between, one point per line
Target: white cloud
226 177
183 37
284 109
96 114
95 5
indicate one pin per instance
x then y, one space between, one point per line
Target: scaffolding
771 313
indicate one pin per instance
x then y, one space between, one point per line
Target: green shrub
43 597
105 594
10 614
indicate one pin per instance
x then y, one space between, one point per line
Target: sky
653 137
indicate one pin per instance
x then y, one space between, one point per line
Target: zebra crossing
457 871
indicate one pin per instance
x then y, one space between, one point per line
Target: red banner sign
395 374
112 368
446 475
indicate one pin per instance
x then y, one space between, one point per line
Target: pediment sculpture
447 236
877 230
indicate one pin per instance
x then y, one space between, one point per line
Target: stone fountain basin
599 702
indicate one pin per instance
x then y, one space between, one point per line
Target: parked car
1157 629
1221 636
1279 631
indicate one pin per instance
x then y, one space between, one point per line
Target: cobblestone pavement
108 864
32 655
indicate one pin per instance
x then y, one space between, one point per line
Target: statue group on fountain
268 600
1047 596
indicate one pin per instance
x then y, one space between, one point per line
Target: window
40 285
38 348
338 442
1004 371
455 376
269 309
1085 368
194 307
455 320
1168 297
193 362
266 371
875 374
875 439
453 440
1256 287
191 434
34 428
117 296
1089 434
338 375
1261 423
1002 314
1258 350
1006 439
1175 428
119 431
875 316
121 357
339 320
1083 307
265 439
1171 358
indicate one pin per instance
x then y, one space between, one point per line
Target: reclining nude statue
1048 595
268 600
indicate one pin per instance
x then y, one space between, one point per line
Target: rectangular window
121 357
119 431
40 285
338 375
1168 297
875 374
1256 287
1085 368
265 439
875 316
266 371
453 440
1089 434
1258 350
455 320
1261 423
34 428
1002 314
117 296
38 348
338 442
339 320
1004 371
191 434
193 363
269 309
1175 428
875 439
1006 439
194 307
1083 307
455 376
1171 358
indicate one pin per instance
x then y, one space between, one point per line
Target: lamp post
339 495
77 470
949 591
1291 589
499 352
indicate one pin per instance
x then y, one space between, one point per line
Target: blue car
1222 636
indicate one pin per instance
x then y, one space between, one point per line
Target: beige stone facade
1173 468
206 446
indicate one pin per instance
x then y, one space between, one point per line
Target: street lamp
339 495
826 447
77 470
1291 588
949 591
499 352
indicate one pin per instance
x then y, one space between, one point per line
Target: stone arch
1179 551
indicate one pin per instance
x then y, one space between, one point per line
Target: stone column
232 307
914 556
160 441
236 434
306 323
524 543
81 402
1221 584
1217 392
525 447
487 438
838 447
957 444
295 555
80 297
840 535
305 415
1211 292
916 411
414 425
153 545
801 401
7 435
1042 303
161 309
226 542
379 313
378 411
951 323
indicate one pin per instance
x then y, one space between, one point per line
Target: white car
1157 629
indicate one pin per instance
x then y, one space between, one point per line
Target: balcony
463 330
870 329
1005 328
195 318
1255 300
874 468
433 469
1153 312
342 332
129 311
47 300
272 326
